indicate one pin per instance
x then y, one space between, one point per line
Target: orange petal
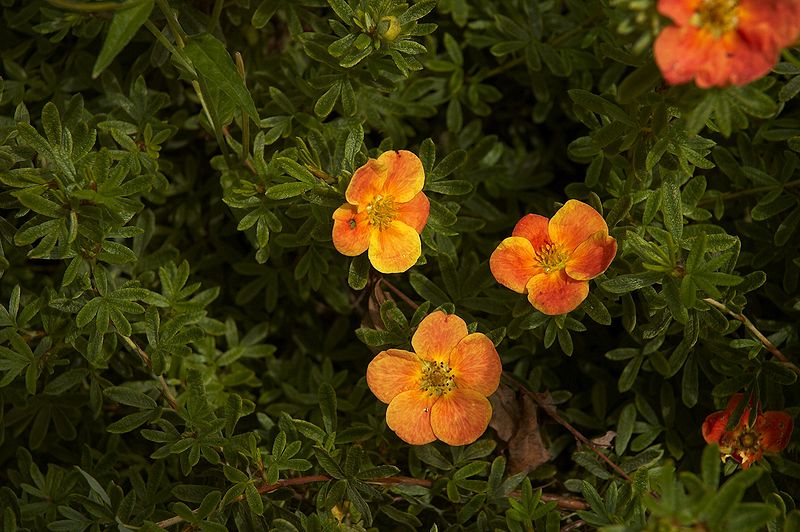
534 228
573 223
461 416
476 364
437 335
770 24
680 11
405 176
513 263
681 52
556 293
775 430
393 371
714 426
414 213
366 182
409 416
394 249
350 230
592 257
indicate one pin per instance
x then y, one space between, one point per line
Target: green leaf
625 428
129 396
671 207
358 274
287 190
124 25
327 403
212 61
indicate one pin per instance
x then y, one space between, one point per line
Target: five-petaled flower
385 212
724 42
440 390
553 260
745 443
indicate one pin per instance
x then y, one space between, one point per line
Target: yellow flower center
437 378
381 211
748 440
717 16
551 257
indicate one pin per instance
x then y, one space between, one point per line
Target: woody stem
399 294
752 328
542 400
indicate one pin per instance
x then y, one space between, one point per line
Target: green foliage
182 345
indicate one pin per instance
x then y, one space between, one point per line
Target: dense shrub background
180 334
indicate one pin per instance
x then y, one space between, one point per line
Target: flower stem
752 328
165 391
399 293
542 399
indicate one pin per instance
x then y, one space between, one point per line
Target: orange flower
385 212
553 260
440 391
724 42
769 433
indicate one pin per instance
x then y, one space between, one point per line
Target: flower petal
775 430
350 230
437 335
769 24
414 213
682 52
714 426
366 182
394 249
592 257
409 416
556 293
513 263
461 416
392 372
476 364
405 176
680 11
573 223
534 228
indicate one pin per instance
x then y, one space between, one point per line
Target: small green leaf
212 61
124 25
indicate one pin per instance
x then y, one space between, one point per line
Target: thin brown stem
165 391
563 502
754 330
573 526
542 400
747 192
399 293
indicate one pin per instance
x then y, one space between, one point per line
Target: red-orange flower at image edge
552 260
770 433
718 43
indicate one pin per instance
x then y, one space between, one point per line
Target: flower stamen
717 16
551 257
437 378
381 211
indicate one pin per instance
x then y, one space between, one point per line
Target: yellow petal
395 248
405 176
